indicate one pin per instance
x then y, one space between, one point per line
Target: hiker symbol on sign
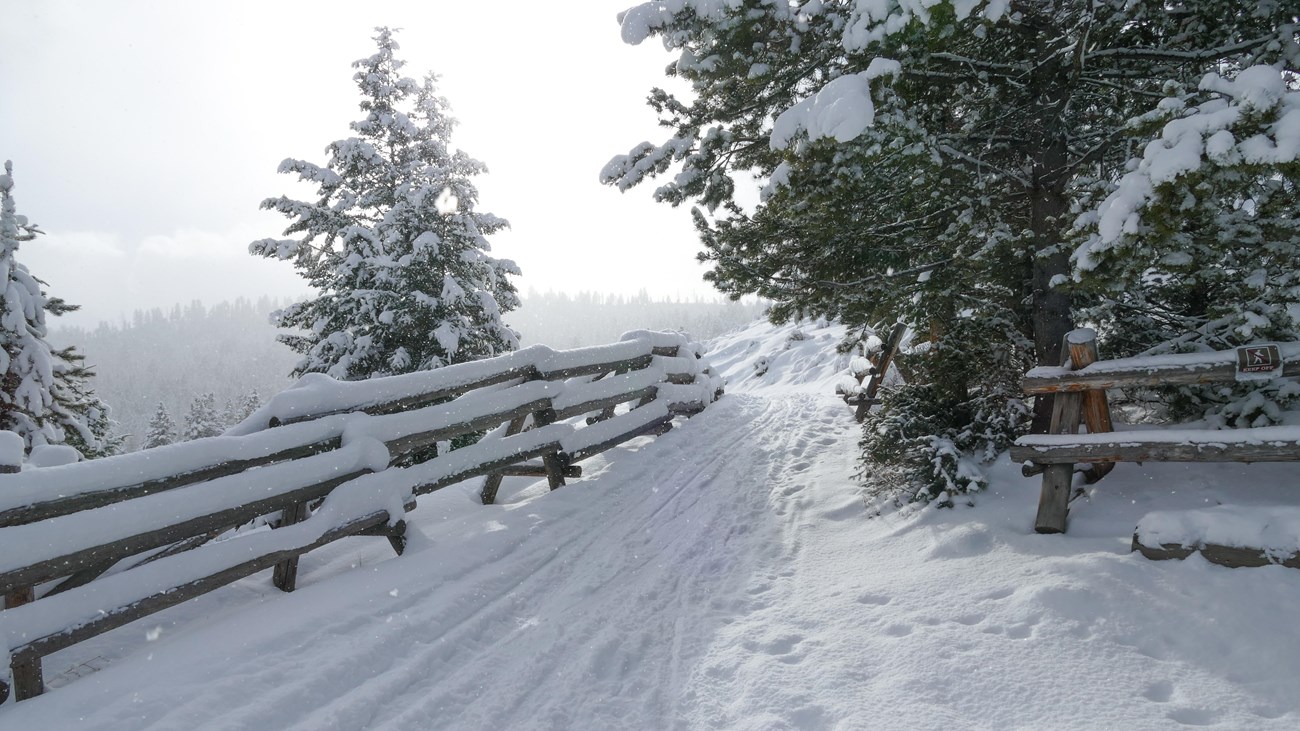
1258 362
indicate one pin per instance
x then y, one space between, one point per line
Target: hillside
230 349
727 575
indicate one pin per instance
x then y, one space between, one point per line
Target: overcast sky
145 134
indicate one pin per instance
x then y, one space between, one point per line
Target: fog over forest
229 349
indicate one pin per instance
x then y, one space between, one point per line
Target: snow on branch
842 109
1222 132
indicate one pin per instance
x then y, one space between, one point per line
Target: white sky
145 134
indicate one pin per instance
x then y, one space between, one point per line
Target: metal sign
1258 362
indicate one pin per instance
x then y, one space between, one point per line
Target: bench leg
1053 503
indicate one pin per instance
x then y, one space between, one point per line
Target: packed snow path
726 575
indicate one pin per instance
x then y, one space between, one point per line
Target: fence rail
151 517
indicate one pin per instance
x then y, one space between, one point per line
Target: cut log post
1054 499
1082 344
285 574
493 482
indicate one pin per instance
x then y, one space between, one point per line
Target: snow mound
795 357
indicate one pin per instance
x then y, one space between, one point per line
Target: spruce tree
202 419
927 162
162 429
393 242
45 394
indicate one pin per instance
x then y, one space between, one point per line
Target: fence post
493 482
285 573
28 680
554 465
868 398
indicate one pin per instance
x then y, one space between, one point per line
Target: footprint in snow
1194 716
878 600
1159 692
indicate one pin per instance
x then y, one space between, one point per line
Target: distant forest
229 350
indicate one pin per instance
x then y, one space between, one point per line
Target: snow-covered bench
91 546
1080 386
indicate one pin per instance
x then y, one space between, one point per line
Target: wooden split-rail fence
91 546
863 396
1080 385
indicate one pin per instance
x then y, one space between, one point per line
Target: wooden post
29 681
554 465
493 482
1054 500
285 573
1082 346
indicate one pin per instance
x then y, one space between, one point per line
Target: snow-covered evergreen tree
45 394
393 241
162 429
927 161
202 419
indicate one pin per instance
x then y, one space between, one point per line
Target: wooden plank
493 482
486 468
631 364
130 545
412 442
86 501
1131 447
116 617
421 400
657 427
1230 556
1150 375
608 402
536 470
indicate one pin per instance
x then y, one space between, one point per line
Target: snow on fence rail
152 516
1079 385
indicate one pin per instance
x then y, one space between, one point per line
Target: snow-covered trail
588 607
727 575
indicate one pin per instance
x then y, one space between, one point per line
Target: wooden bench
1080 385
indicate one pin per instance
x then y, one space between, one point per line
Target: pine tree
393 241
162 429
202 420
927 161
45 395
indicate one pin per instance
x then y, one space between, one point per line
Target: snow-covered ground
727 575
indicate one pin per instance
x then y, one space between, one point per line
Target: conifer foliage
45 395
393 242
162 429
939 162
202 420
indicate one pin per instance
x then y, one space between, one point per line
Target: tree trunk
1051 317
